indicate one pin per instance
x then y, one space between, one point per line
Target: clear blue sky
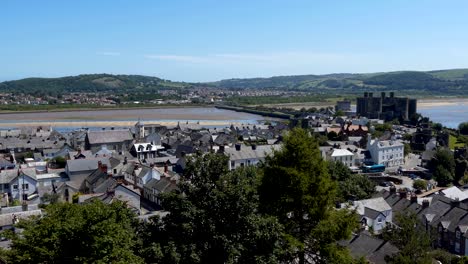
206 40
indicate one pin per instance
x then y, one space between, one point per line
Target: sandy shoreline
429 103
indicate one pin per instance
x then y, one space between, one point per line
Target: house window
248 162
25 186
457 247
6 185
457 234
242 164
379 220
15 186
233 164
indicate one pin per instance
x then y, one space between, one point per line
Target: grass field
453 142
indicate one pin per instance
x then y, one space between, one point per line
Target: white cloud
178 58
284 58
109 53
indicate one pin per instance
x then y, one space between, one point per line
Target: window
457 247
15 186
6 185
457 234
233 164
379 220
248 162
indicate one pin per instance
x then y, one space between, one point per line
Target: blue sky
206 40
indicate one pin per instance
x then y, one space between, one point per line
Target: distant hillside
89 83
443 82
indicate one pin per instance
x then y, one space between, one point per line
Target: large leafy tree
411 239
72 233
297 188
350 185
443 166
214 218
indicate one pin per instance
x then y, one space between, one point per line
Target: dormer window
440 229
457 234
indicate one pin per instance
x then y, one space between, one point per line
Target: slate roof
371 248
85 164
109 136
246 152
107 184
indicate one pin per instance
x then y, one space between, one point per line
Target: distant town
397 151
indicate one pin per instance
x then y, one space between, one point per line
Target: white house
375 213
142 175
23 186
344 156
386 152
242 155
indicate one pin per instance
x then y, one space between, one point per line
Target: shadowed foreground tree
72 233
443 166
411 238
351 186
214 219
297 188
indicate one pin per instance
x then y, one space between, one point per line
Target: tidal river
449 113
209 116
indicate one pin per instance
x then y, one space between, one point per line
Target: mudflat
169 116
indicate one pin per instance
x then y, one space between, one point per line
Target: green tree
72 233
463 128
420 184
407 149
350 186
411 239
443 166
297 188
214 219
437 127
461 166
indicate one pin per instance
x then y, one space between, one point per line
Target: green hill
89 83
443 82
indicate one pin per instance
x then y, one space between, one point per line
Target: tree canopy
73 233
214 219
297 188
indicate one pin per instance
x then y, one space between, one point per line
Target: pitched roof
85 164
377 204
341 152
109 136
246 152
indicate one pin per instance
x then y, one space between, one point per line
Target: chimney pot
425 203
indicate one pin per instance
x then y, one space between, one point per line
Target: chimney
414 198
366 95
104 168
371 94
425 203
392 94
392 189
382 95
403 194
238 147
455 202
166 167
254 147
221 149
